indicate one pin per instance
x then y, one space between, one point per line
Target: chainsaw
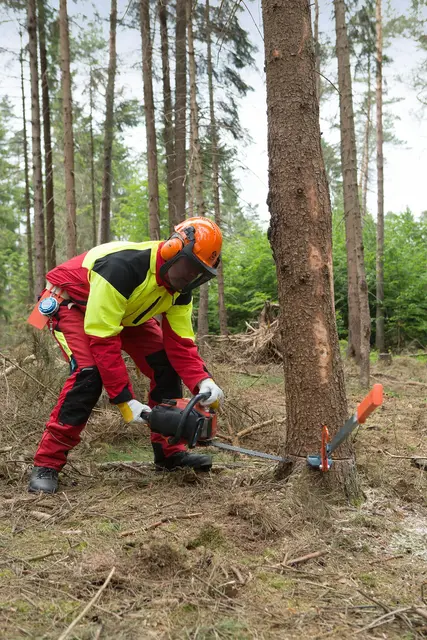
187 421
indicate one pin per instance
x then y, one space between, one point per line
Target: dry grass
208 557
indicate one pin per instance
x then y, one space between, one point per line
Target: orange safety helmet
198 239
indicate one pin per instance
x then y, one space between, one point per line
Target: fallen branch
247 373
41 515
414 383
420 612
165 520
378 560
134 465
14 366
32 558
5 449
258 425
89 605
383 619
309 556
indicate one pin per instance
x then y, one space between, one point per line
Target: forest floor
207 557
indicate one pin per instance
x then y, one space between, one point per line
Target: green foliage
250 277
131 221
405 276
13 279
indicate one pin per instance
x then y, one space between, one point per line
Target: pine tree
301 238
104 220
39 227
150 121
380 338
359 315
67 111
31 292
168 125
180 110
215 167
50 204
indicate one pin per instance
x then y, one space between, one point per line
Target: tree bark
39 238
168 126
92 161
301 239
196 172
364 171
67 113
317 48
215 169
31 292
150 123
194 116
380 338
180 110
50 204
359 317
105 215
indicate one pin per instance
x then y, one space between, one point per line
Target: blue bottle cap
48 306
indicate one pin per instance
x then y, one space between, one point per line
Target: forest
297 128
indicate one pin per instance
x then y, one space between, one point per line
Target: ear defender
172 246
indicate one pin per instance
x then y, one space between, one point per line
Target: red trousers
81 391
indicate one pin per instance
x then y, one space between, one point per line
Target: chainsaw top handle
194 400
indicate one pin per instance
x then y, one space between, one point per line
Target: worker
112 296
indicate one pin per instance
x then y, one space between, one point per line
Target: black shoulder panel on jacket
183 298
124 270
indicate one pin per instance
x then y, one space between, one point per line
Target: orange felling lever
373 400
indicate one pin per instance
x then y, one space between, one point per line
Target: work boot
180 460
43 479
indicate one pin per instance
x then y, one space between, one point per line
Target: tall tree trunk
180 109
50 204
380 338
104 220
194 115
301 239
190 176
196 171
317 48
359 318
215 169
39 239
92 160
168 126
364 171
31 292
150 123
67 113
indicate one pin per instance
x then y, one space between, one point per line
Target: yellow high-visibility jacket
117 285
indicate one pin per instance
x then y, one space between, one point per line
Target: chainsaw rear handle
194 400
